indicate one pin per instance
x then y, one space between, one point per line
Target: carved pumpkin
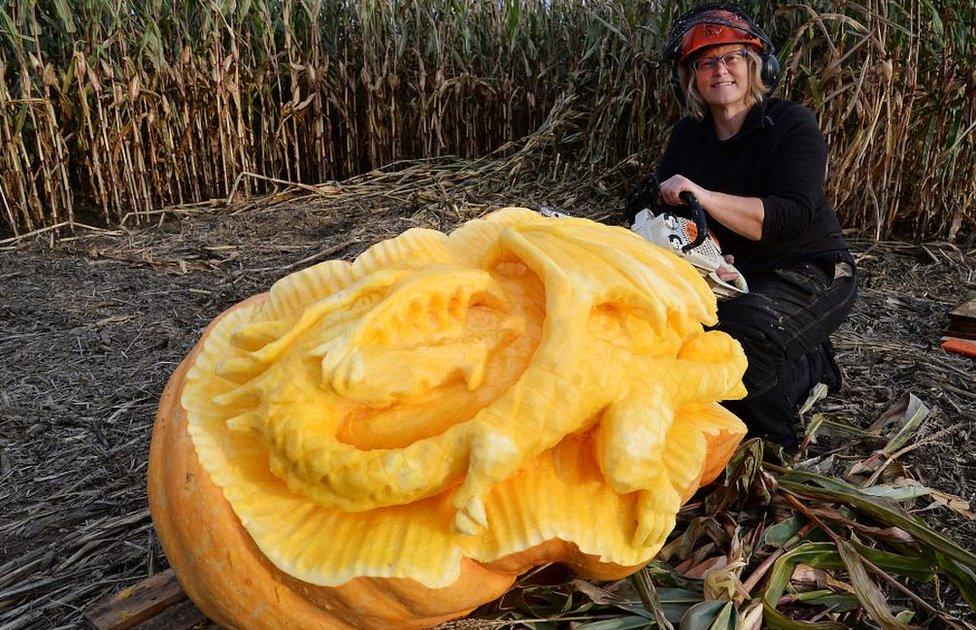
389 442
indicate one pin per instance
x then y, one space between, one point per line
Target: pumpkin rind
476 498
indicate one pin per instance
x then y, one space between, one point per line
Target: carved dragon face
467 395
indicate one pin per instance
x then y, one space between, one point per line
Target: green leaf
899 492
961 577
914 567
64 12
676 601
866 589
800 482
820 555
830 426
776 620
648 594
621 623
837 602
711 615
666 575
781 533
20 120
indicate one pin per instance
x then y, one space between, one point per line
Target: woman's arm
742 215
794 188
795 179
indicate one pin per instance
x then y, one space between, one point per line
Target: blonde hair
694 103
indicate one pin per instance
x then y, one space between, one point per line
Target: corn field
110 108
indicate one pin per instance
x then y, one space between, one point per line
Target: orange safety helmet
714 24
715 28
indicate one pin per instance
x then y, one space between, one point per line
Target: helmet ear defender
769 69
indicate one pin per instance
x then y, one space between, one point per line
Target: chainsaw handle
698 216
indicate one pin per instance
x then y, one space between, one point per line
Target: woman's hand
727 274
671 189
742 215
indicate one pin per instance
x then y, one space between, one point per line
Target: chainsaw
683 229
670 227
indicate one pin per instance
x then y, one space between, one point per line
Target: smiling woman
757 166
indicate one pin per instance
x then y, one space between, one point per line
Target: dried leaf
907 413
705 567
957 504
752 617
806 576
724 584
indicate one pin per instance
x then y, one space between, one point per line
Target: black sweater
779 155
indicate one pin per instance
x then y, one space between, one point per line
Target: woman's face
722 84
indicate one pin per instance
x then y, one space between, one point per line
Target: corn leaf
867 591
819 555
908 412
802 483
649 596
711 615
64 12
782 532
620 623
962 577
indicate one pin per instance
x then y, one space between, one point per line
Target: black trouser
783 324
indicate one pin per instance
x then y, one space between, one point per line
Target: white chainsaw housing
673 232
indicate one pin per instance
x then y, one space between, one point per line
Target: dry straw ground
92 326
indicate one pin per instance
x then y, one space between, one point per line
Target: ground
92 326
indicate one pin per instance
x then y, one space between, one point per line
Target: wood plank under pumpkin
159 595
962 321
182 615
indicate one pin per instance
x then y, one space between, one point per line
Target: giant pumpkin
389 442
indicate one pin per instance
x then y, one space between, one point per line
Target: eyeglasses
730 60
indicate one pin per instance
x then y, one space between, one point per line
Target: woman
758 165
